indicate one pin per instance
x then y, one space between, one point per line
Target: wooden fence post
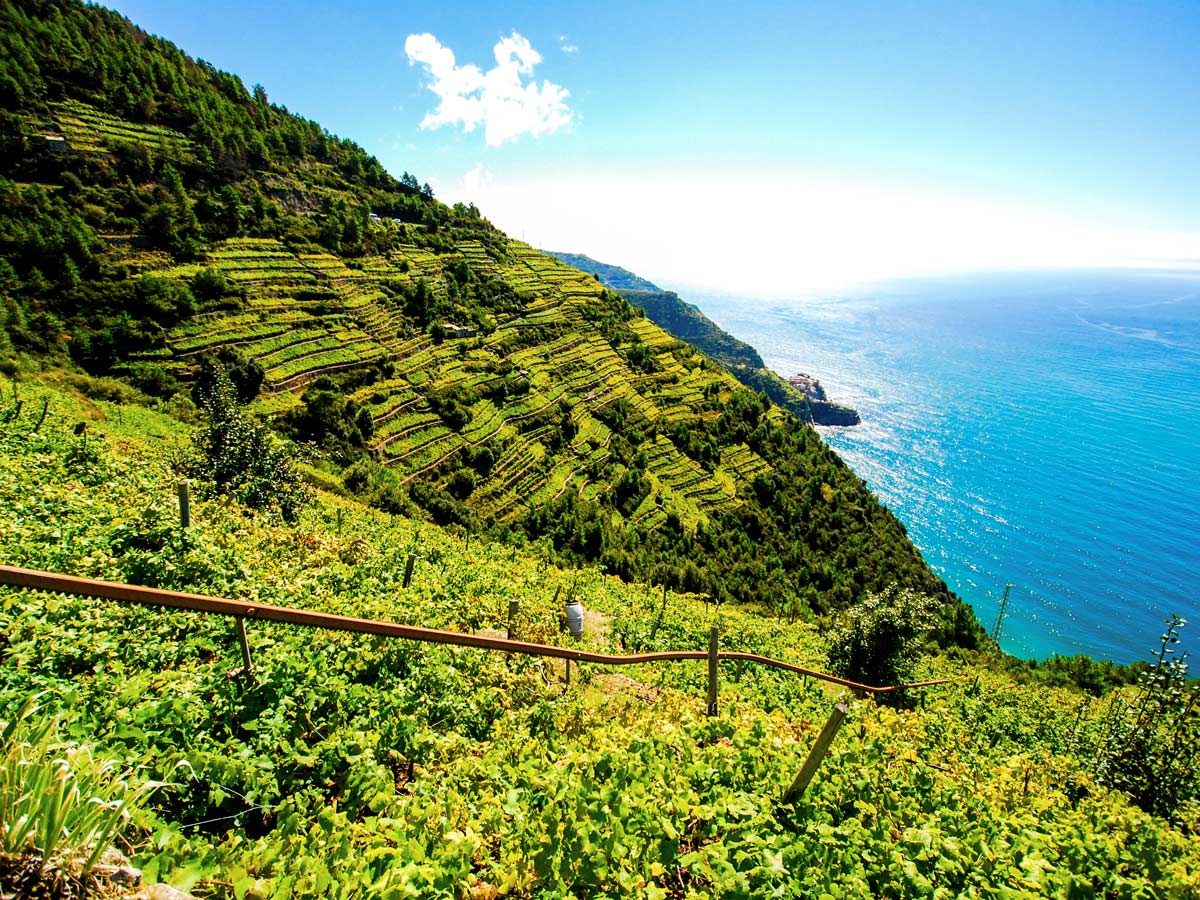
820 748
247 662
45 407
713 649
513 606
185 504
408 568
662 611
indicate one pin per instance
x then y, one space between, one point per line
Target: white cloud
498 99
787 235
565 45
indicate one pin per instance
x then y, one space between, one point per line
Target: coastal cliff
824 412
686 322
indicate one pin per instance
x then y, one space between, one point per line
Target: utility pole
998 628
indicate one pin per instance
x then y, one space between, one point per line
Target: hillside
361 382
615 277
686 322
160 219
353 766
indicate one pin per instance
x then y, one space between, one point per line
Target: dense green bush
234 455
879 639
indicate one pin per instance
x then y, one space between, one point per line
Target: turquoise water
1034 429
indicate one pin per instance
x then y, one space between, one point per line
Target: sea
1034 430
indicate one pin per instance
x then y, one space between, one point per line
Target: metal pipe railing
14 576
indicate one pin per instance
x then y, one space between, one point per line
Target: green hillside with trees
686 322
353 766
160 220
358 381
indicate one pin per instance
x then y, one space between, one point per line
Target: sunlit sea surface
1036 429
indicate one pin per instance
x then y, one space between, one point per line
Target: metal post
998 628
408 568
513 606
185 504
713 649
820 748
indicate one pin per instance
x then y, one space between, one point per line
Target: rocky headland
823 411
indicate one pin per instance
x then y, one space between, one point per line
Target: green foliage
453 404
1094 677
1149 746
209 285
352 766
234 455
59 802
331 422
879 639
245 376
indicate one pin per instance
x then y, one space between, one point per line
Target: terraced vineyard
88 130
360 767
576 374
435 365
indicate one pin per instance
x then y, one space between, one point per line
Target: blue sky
775 148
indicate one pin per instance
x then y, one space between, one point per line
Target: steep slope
357 767
686 322
665 308
158 217
615 277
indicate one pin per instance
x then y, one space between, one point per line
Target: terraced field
88 130
572 374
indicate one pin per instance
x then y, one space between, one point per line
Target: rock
114 857
823 411
164 892
808 386
826 413
126 876
116 868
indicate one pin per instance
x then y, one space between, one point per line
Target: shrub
237 456
1149 745
880 637
245 374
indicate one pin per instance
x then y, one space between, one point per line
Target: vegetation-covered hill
158 219
686 322
623 280
351 766
171 242
665 308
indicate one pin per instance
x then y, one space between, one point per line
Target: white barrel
575 618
